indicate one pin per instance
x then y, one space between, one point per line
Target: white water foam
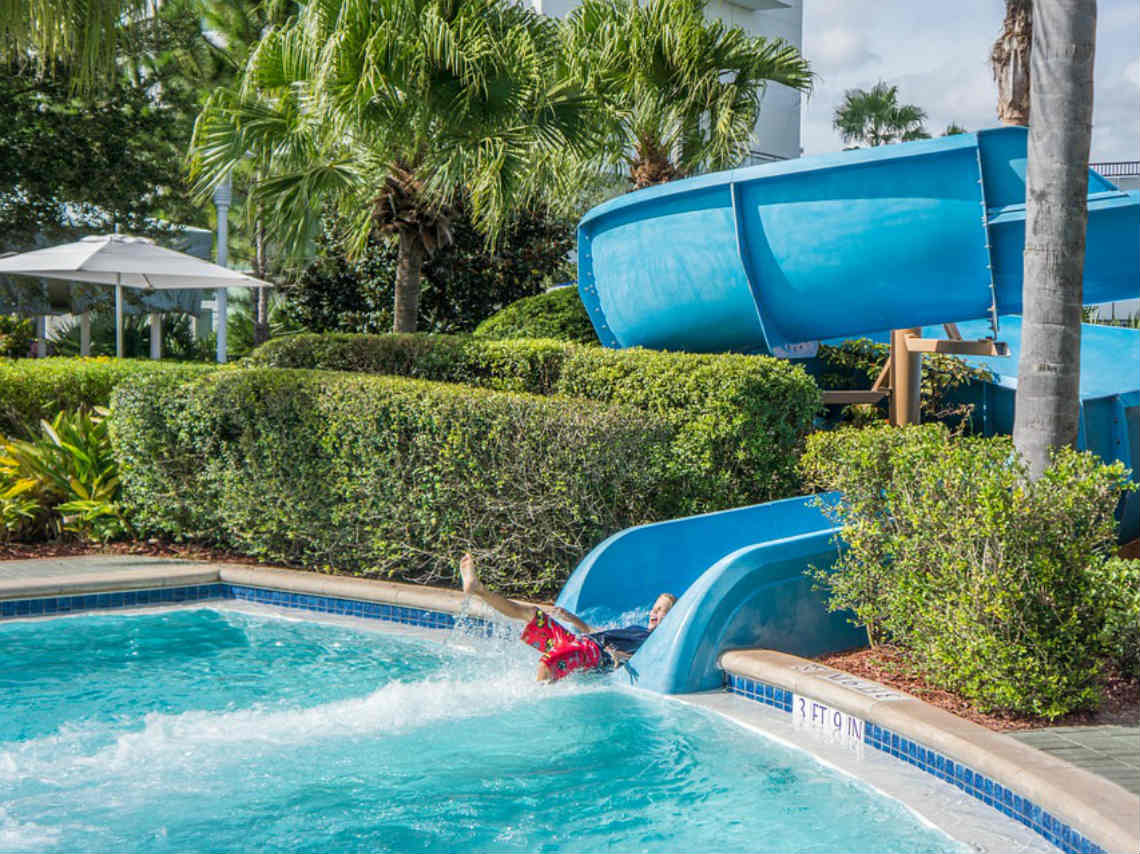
24 835
494 679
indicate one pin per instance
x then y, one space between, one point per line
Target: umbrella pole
118 316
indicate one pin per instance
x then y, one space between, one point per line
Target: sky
936 52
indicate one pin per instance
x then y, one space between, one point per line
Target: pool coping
1101 811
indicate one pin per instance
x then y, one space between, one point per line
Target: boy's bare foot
472 586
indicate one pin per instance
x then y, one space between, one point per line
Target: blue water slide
748 260
835 245
740 578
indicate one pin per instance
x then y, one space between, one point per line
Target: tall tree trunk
261 314
1010 61
1048 374
409 264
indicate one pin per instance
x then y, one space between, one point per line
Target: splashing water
222 730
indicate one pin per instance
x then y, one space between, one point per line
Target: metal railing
1117 168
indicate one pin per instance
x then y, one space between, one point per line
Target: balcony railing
1117 168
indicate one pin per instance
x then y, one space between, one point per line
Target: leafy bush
951 552
739 421
33 389
557 314
857 363
65 479
1118 580
388 477
16 336
462 284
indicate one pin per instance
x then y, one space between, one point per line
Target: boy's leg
472 586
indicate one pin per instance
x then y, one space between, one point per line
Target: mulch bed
885 664
890 666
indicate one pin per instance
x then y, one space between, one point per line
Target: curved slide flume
741 581
895 237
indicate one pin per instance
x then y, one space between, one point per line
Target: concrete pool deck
1090 774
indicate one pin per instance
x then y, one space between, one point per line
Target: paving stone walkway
1110 751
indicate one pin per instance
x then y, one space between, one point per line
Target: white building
777 135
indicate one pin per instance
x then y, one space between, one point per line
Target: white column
85 334
222 197
155 335
118 320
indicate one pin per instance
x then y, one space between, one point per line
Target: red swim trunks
562 651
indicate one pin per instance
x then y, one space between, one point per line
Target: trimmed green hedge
389 477
739 421
31 389
557 314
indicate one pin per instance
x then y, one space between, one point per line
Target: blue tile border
403 615
972 782
54 605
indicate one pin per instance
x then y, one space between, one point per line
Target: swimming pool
215 728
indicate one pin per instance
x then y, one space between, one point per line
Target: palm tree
876 117
1010 62
681 93
395 111
953 129
82 37
1056 215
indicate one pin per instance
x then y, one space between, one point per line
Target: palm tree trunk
1048 374
1010 61
652 165
409 264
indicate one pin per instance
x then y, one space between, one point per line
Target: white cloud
938 56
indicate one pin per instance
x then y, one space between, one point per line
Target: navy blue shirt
627 640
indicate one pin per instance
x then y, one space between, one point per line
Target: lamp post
223 194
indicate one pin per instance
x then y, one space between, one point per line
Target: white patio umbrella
126 262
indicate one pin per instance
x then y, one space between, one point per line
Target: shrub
16 336
525 366
739 421
33 389
557 314
951 552
66 479
388 477
1118 581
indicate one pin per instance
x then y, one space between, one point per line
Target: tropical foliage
397 112
64 480
875 117
681 93
462 284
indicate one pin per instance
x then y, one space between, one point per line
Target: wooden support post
85 334
906 378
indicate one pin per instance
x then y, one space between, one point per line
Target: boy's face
660 609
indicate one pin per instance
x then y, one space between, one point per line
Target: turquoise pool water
227 730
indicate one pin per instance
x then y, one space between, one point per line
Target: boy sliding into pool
562 651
